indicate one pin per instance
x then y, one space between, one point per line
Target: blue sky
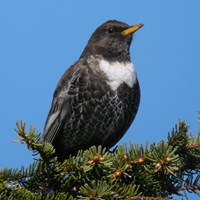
40 39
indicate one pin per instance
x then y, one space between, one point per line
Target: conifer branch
130 172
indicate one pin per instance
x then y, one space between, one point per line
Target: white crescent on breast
118 73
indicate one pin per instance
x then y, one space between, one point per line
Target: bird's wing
60 107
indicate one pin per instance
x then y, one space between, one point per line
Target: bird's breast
118 73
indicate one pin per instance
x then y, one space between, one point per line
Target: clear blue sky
40 39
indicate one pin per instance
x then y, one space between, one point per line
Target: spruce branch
130 172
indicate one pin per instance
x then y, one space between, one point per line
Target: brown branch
191 187
149 198
194 146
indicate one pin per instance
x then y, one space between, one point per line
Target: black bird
97 98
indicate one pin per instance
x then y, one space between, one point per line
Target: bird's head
111 41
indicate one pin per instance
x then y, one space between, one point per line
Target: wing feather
65 91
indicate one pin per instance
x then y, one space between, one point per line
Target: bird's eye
111 30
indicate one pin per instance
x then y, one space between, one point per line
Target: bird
97 98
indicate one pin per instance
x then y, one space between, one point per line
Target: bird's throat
118 73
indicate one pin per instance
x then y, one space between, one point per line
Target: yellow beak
132 29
